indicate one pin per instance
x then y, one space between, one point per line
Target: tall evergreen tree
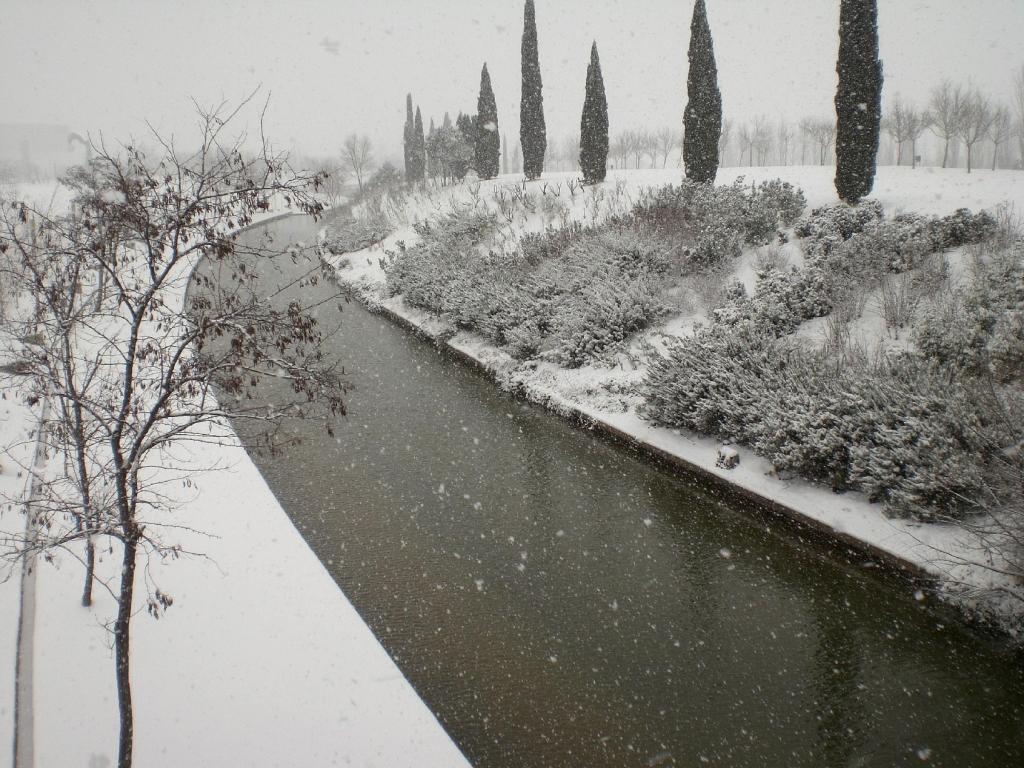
702 121
594 125
409 140
532 131
486 149
420 148
858 99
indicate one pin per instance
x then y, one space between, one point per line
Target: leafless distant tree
917 123
806 129
641 143
1018 107
903 122
357 155
665 140
571 152
748 139
724 139
762 139
784 136
823 132
976 116
625 146
651 146
334 176
1000 131
945 113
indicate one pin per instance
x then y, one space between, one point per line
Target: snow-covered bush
825 228
773 203
549 244
714 382
570 294
710 224
963 228
979 330
782 300
348 235
900 432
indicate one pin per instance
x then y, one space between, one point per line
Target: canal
559 601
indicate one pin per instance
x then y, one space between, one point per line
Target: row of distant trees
966 123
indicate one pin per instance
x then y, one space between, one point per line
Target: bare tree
640 142
622 147
748 139
976 116
784 136
665 140
824 134
904 123
725 139
806 129
762 139
651 146
1018 108
945 113
1000 131
137 375
357 155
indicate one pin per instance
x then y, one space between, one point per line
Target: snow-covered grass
606 391
260 661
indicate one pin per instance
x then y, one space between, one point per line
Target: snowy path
261 661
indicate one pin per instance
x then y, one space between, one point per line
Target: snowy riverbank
954 557
261 661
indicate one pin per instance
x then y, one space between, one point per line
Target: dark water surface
559 602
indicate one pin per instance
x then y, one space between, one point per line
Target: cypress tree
487 148
702 121
594 125
532 131
420 148
409 140
858 99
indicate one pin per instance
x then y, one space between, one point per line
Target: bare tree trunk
899 153
122 648
969 148
913 154
90 569
945 153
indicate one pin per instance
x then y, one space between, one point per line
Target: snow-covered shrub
963 228
825 228
902 433
979 330
549 244
348 235
923 443
773 203
714 382
899 303
712 223
571 294
782 300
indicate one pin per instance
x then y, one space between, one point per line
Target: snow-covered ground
261 660
945 551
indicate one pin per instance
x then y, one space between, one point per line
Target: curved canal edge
932 555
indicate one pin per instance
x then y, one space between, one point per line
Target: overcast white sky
340 66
